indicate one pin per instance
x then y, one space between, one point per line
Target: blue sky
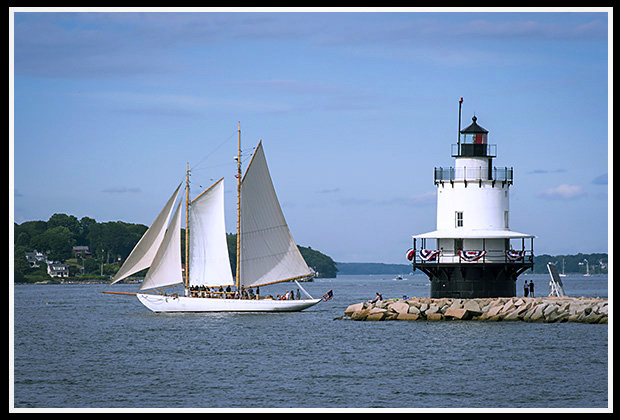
354 109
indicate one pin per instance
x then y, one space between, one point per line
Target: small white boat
266 251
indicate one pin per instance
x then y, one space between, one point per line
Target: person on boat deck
221 290
227 292
298 296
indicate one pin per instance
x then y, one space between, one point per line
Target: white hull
158 303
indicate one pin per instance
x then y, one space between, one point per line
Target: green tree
20 264
92 266
31 229
58 242
61 219
85 224
321 263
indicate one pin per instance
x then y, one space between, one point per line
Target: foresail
209 264
166 268
268 252
144 252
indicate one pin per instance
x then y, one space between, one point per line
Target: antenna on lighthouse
458 141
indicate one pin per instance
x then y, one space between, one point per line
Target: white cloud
562 192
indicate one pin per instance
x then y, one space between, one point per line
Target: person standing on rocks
531 288
525 289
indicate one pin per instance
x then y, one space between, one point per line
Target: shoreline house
56 269
81 251
35 257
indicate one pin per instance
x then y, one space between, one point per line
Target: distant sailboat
587 268
266 251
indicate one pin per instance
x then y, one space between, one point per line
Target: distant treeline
109 244
597 263
372 268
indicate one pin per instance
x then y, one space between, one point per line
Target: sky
354 109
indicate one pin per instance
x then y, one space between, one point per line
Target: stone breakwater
540 309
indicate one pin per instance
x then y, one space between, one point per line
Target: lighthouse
473 253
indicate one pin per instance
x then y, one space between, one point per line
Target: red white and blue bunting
471 255
427 255
410 253
514 255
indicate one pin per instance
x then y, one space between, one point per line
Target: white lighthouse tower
475 254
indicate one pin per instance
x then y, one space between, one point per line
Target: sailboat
266 251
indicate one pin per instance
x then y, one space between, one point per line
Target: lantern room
473 142
474 133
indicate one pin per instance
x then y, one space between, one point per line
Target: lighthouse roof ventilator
475 253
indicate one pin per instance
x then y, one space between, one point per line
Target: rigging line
215 166
215 150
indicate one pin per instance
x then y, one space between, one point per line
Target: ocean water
75 347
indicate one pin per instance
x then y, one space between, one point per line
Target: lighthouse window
458 218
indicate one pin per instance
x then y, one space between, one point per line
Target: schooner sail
209 264
166 266
144 252
266 251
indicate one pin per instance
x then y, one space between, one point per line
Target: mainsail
209 264
268 253
144 252
166 268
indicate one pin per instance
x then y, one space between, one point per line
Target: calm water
74 347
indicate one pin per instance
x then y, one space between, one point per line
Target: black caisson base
467 281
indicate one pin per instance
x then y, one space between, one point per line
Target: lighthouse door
458 245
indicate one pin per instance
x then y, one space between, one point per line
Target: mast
458 140
187 227
238 207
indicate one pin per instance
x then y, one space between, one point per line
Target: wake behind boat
266 251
